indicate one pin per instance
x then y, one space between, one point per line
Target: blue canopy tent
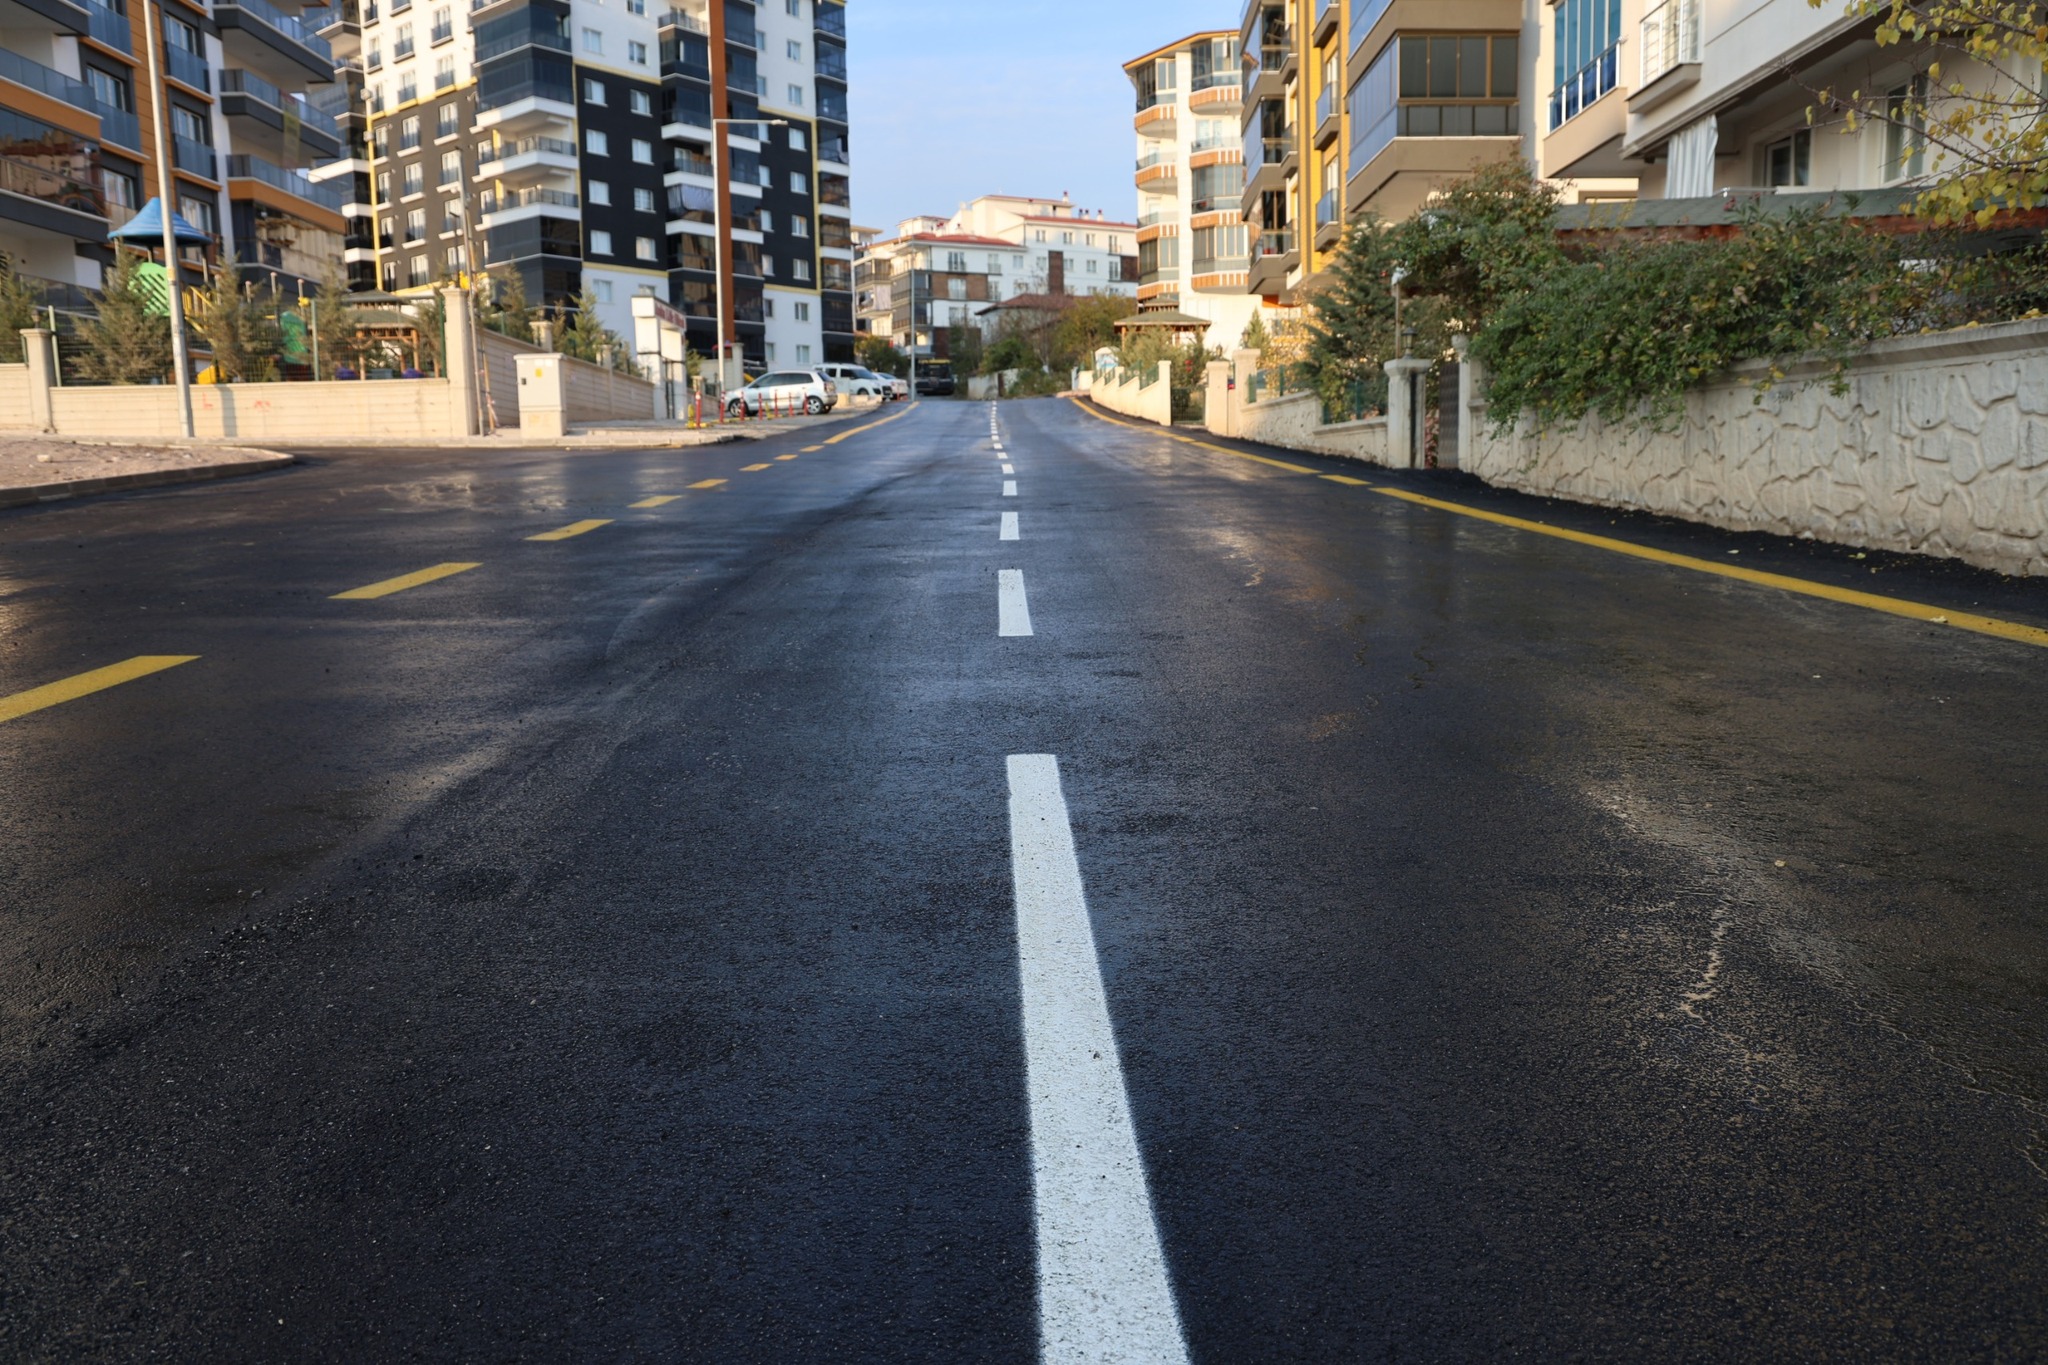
147 227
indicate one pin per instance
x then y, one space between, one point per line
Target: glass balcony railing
831 18
195 157
121 128
527 146
293 183
1327 211
1585 87
1326 105
58 86
516 199
441 32
1272 243
52 186
284 24
831 64
109 27
401 49
188 67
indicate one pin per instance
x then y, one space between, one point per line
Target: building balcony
253 178
1161 120
64 201
1274 259
1217 101
46 81
109 28
195 158
498 210
1159 173
1668 53
1215 152
45 16
1329 220
1329 116
831 18
1328 12
528 161
264 111
1267 160
259 36
528 107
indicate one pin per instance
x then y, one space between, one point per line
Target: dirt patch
31 461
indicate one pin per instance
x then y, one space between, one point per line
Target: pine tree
129 342
431 316
336 326
510 314
240 329
584 336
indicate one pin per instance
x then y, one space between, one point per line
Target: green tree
239 328
129 341
335 326
1979 142
1255 337
964 349
20 306
508 312
430 314
879 355
584 336
1481 240
1085 328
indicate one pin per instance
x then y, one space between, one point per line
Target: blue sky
952 99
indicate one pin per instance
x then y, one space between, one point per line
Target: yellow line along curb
1870 601
835 440
85 684
402 582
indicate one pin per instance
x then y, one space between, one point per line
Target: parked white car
899 387
859 381
781 392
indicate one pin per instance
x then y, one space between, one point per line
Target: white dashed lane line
1009 531
1103 1289
1009 488
1013 609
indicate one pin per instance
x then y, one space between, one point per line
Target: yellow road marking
400 584
659 500
574 528
812 450
785 457
708 483
1189 440
835 440
1349 483
1893 606
755 468
85 684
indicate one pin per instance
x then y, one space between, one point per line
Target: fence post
1470 375
39 348
459 358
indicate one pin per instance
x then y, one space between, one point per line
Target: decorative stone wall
14 404
1126 392
1940 446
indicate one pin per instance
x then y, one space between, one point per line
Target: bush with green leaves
129 341
20 307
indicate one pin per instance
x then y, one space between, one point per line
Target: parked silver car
858 381
783 393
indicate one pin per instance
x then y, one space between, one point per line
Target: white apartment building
1193 247
1691 97
1063 249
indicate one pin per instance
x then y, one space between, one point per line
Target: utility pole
912 395
174 295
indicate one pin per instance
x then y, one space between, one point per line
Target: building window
601 290
800 226
795 50
108 89
642 102
451 167
415 178
600 192
600 242
1789 161
380 140
418 272
1905 130
593 91
799 183
455 259
593 41
451 216
800 270
803 355
766 218
1092 263
797 141
390 276
796 97
415 225
597 142
1436 86
190 126
643 201
645 249
1586 55
643 151
444 121
803 312
636 53
444 72
956 290
409 133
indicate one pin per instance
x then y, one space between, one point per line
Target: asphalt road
669 941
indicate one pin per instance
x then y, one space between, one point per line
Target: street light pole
181 364
718 192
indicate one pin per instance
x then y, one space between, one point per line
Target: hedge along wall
1940 446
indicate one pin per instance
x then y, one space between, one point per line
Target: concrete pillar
1216 414
459 357
544 334
1404 451
1470 402
39 345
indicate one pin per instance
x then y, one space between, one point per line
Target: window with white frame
642 102
593 91
643 201
646 249
636 53
799 183
643 151
597 142
593 41
601 290
600 242
796 97
803 355
800 270
600 192
803 312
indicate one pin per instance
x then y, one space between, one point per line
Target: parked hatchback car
858 381
784 391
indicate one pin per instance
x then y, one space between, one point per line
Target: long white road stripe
1103 1291
1009 469
1009 488
1009 531
1013 611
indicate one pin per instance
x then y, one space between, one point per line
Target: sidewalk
619 434
37 469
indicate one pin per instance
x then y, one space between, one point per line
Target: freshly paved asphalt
1516 950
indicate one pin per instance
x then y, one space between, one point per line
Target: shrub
129 341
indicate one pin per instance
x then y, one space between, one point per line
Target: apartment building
1719 97
582 143
1193 252
80 141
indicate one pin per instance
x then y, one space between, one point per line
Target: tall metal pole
181 365
912 395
